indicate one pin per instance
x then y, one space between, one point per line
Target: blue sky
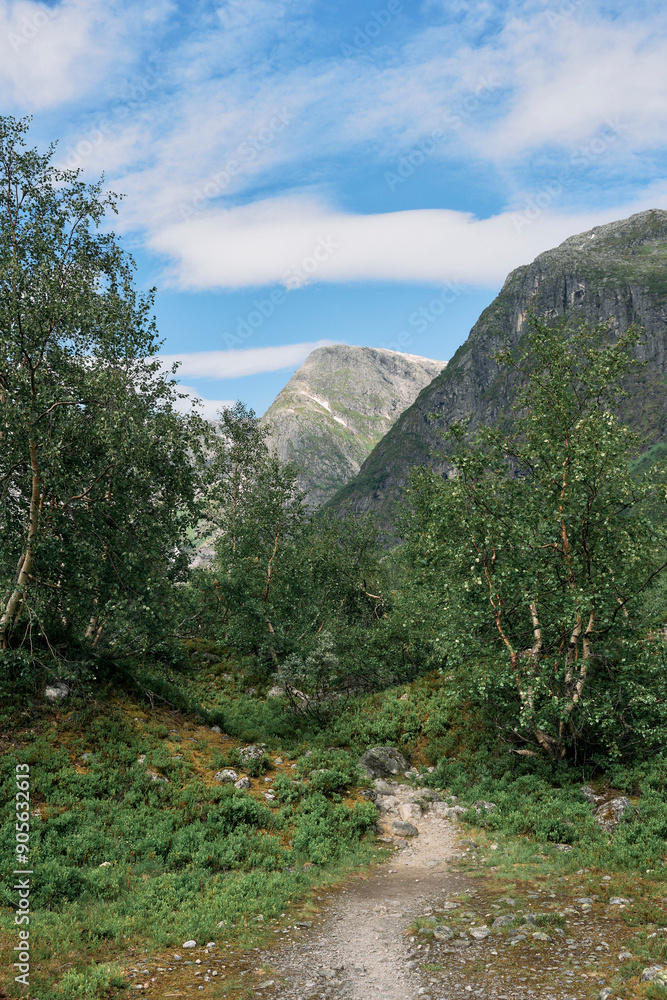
298 173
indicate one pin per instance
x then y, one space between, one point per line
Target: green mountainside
336 408
615 273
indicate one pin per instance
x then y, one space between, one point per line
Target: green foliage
98 473
535 556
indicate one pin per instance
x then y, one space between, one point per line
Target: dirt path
359 951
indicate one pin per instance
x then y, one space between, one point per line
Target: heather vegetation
511 643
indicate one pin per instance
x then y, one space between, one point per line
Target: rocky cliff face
336 408
615 273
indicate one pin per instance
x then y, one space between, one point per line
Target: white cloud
54 54
279 240
208 408
237 363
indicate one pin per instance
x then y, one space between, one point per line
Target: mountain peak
337 406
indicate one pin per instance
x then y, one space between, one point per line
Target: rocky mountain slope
336 408
615 273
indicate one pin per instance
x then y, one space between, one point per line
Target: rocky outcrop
615 273
336 408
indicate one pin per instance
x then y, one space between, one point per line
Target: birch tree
540 546
97 475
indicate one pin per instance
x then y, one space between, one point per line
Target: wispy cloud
207 408
237 363
259 244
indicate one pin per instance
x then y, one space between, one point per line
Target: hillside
615 273
336 408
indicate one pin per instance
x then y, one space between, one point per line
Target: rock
591 795
154 776
380 762
540 936
625 956
605 993
56 691
563 847
141 758
448 812
610 813
189 944
177 958
253 752
450 906
269 796
504 921
585 899
228 774
479 933
409 811
619 901
251 690
278 761
383 787
443 933
275 692
216 729
210 944
404 829
655 974
85 757
243 782
481 804
105 864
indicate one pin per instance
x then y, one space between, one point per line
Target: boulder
381 762
243 782
253 752
656 974
56 691
227 774
402 829
609 814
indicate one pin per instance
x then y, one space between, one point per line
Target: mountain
336 408
615 273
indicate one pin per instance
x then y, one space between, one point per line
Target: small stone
275 692
605 993
243 782
211 944
443 933
504 921
177 958
479 933
518 939
585 900
216 729
619 901
624 956
450 906
540 936
482 804
279 761
141 758
189 944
